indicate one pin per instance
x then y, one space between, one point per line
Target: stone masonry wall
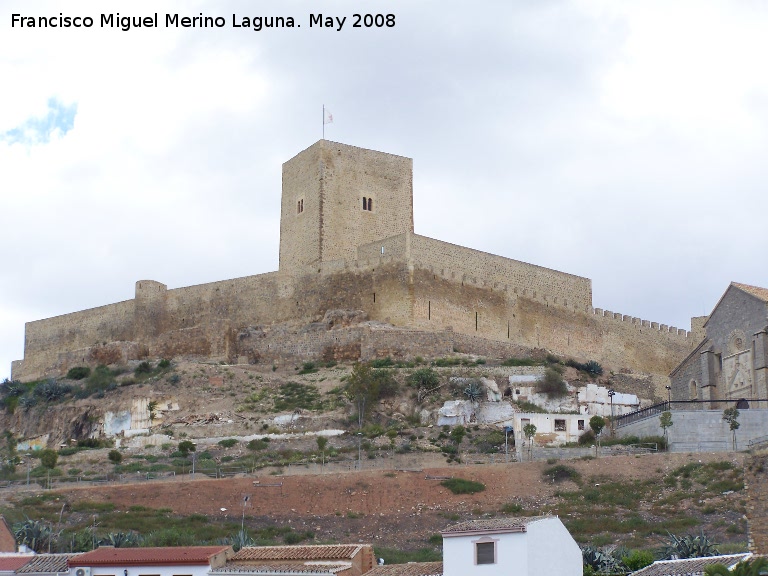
322 216
756 483
45 339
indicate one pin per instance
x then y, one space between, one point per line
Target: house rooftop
493 525
108 556
12 562
690 566
285 568
47 563
410 569
315 552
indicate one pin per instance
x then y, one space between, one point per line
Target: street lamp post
359 451
611 394
669 395
507 430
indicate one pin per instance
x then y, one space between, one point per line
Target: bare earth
400 507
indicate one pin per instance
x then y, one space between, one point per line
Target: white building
535 546
551 429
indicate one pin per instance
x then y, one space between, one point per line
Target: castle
355 282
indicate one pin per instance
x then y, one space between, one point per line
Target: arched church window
693 390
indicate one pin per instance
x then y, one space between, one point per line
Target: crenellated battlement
347 243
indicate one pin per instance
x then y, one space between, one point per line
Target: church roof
756 291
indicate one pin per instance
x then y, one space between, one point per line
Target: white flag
327 116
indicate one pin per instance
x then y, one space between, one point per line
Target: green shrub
587 438
186 446
552 383
382 363
561 472
463 486
256 445
308 368
115 456
143 368
228 442
164 363
520 362
78 372
638 559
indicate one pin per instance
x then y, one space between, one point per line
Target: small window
559 425
367 204
370 204
485 552
581 424
300 206
382 250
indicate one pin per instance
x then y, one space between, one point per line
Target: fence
656 409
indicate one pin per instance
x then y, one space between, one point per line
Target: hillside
258 427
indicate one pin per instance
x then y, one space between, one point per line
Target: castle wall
45 340
473 267
616 340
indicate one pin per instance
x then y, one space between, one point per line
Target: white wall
546 549
552 551
195 570
459 556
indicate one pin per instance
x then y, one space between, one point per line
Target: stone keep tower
338 197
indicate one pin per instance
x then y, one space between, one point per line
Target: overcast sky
621 141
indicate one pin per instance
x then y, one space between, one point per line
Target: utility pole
611 394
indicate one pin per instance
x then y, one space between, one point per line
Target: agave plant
240 539
121 540
689 547
601 561
35 534
473 392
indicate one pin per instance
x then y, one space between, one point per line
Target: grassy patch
463 486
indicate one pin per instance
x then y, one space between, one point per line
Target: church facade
731 363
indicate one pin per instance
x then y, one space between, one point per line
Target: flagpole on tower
323 121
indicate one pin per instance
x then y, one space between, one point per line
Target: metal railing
656 409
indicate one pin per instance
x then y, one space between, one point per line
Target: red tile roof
13 563
689 566
410 569
108 556
316 552
279 568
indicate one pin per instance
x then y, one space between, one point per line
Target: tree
362 389
115 456
665 421
529 431
426 381
731 415
49 458
458 433
597 423
152 409
322 442
186 446
392 435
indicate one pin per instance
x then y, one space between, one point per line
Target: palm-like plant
35 534
689 547
754 567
